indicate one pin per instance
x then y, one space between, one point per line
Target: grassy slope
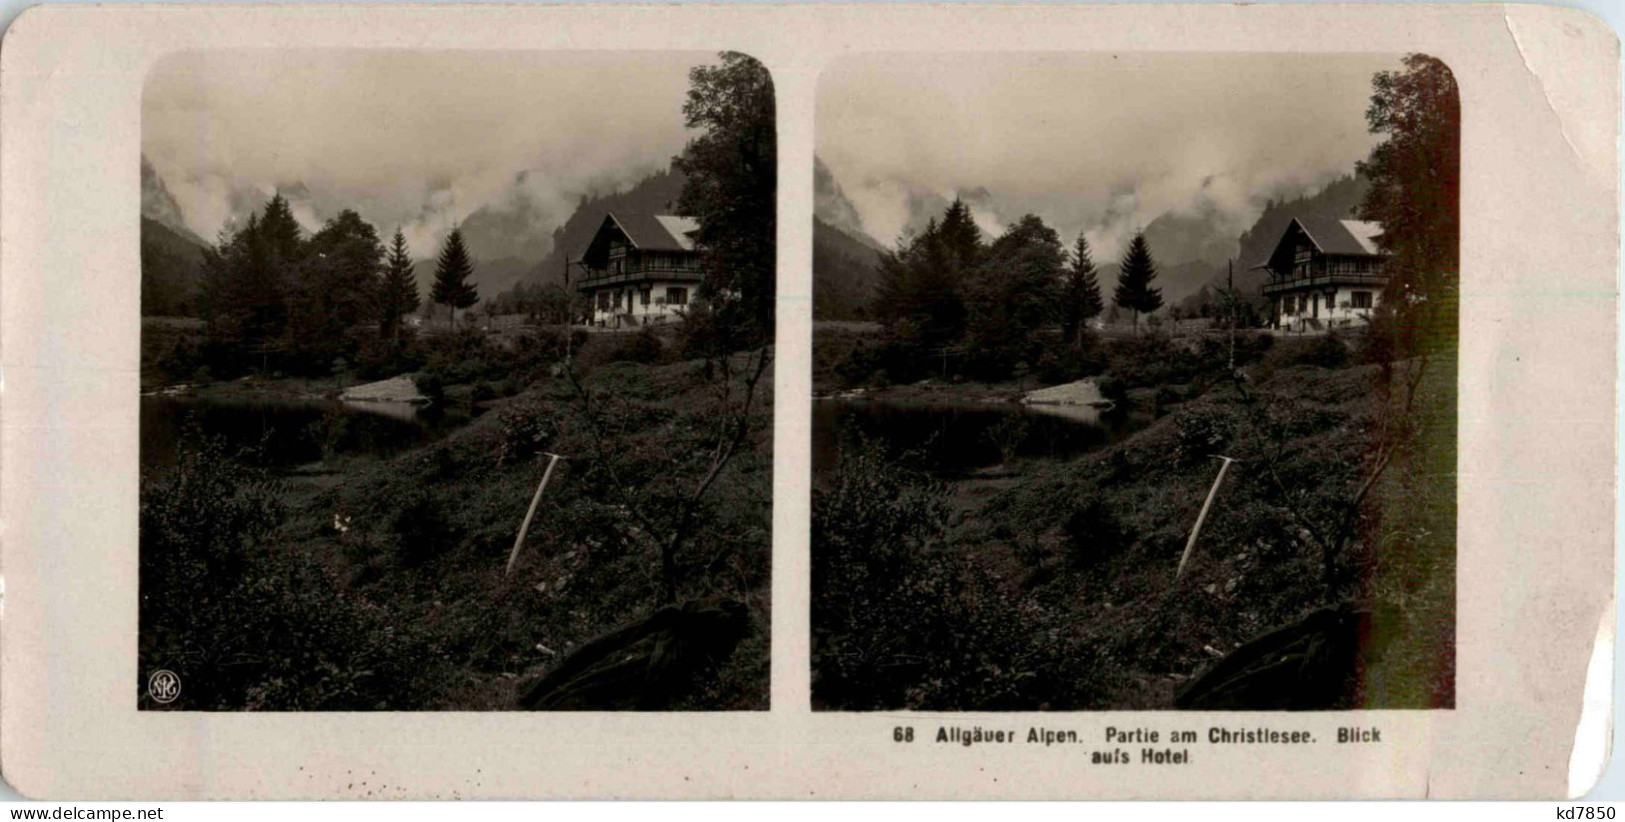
1253 568
430 532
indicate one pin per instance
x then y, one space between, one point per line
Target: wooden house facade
639 269
1324 273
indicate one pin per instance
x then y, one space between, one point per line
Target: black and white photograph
456 380
1135 382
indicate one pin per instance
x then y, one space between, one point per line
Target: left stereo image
456 381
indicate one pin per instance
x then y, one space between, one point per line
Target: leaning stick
513 556
1212 492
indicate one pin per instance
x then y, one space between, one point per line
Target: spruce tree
451 285
281 231
398 294
960 235
1080 292
1134 277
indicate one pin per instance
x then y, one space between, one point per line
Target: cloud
1094 143
415 139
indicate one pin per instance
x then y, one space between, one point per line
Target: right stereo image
1135 382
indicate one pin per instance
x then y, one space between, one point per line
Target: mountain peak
831 205
158 205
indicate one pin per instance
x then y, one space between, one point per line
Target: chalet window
645 296
1362 299
676 296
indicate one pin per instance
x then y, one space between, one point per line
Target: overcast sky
409 138
1097 142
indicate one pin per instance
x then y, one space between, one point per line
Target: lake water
954 438
285 433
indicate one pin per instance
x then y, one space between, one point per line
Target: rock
1082 392
1230 585
394 389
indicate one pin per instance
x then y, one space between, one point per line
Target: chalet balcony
1276 285
640 273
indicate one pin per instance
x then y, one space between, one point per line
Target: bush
526 430
858 365
246 625
1326 352
643 347
1093 534
1202 432
1068 363
377 358
422 528
1112 388
901 620
1007 435
430 386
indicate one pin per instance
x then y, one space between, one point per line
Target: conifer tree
398 294
960 235
1080 296
451 285
1134 277
281 231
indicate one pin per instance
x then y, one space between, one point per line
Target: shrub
526 430
1093 534
644 347
901 620
1112 388
1007 435
1326 352
246 624
422 527
858 365
430 386
1202 431
1067 363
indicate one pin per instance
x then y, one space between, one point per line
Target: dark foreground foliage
372 583
252 626
1057 590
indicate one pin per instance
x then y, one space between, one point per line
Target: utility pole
1230 297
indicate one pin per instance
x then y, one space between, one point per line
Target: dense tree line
947 294
275 299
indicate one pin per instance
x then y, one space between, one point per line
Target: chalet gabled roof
657 232
1355 238
645 232
1347 237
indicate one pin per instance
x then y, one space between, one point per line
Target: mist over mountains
514 241
1192 247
